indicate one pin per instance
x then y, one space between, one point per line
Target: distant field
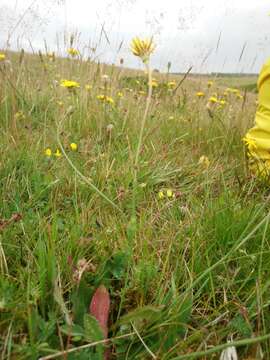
176 230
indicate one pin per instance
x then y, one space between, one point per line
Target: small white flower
229 354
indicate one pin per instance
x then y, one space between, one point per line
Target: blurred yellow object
257 138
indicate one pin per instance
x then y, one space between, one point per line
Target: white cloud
185 31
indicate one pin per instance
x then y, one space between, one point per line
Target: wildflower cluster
49 152
105 99
169 194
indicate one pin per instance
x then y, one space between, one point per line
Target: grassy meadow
178 233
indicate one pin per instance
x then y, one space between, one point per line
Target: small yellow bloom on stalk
210 83
142 48
48 152
57 153
204 161
73 146
73 52
2 57
101 97
235 91
222 102
200 94
69 84
213 100
105 98
120 94
19 115
171 117
170 193
137 82
171 84
154 83
161 195
88 87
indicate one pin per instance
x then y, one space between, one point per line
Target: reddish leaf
100 308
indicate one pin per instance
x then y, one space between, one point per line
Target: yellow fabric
257 138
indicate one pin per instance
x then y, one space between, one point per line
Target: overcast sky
210 35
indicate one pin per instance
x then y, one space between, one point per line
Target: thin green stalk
243 342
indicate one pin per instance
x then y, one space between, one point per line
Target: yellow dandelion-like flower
222 102
142 48
105 99
171 84
120 94
19 115
101 97
73 146
161 195
169 193
57 153
48 152
2 57
210 83
204 161
171 117
235 91
69 84
154 83
213 100
73 52
200 94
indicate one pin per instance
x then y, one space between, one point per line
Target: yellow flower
171 117
88 87
154 83
19 115
2 57
222 102
171 84
161 195
142 48
213 99
170 193
106 99
73 52
73 146
48 152
101 97
204 161
69 84
57 153
210 83
200 94
120 94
